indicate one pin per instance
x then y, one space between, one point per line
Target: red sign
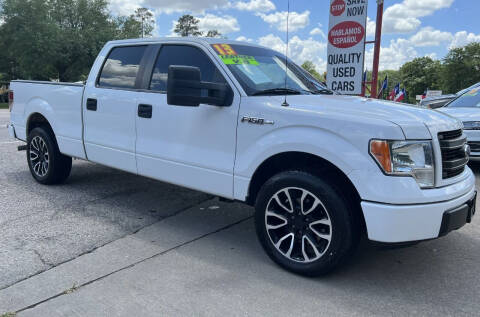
337 7
346 34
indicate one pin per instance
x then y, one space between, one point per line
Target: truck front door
188 146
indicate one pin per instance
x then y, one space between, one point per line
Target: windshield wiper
277 91
323 92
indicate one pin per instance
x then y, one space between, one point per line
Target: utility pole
143 27
376 52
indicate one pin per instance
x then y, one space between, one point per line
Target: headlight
471 125
406 158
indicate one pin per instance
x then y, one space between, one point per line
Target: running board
22 147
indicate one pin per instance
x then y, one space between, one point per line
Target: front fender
306 139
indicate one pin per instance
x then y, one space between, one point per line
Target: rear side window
185 56
121 67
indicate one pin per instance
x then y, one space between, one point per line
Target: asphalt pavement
112 243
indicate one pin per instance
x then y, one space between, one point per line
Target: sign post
346 45
376 50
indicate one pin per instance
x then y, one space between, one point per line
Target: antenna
285 103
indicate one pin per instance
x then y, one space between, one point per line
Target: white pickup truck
244 123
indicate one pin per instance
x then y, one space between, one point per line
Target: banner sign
346 45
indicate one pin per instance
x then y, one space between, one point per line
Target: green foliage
145 21
461 68
419 75
214 33
310 67
59 39
187 25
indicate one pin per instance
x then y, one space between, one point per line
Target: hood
415 122
463 113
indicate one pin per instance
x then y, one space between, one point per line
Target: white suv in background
467 109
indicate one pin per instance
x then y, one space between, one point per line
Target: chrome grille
454 156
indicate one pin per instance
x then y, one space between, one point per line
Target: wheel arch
305 162
289 161
35 120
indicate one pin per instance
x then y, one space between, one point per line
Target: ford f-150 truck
245 123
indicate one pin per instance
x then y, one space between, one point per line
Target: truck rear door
110 106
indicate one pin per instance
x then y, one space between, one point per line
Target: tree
24 45
60 39
187 25
214 33
310 67
55 39
145 17
461 68
139 24
419 75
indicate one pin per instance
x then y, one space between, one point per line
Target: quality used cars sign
346 45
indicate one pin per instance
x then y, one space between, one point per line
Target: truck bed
60 104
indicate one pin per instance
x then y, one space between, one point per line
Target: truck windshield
470 99
262 71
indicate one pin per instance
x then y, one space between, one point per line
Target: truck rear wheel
47 165
304 223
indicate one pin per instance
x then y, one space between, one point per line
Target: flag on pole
384 86
395 91
401 95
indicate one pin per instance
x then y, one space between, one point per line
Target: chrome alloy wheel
298 224
39 156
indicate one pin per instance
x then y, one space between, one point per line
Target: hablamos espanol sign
346 45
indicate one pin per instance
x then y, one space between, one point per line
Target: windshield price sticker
224 49
239 60
473 92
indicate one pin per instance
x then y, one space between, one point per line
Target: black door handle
92 104
145 111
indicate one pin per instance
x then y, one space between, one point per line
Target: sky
411 28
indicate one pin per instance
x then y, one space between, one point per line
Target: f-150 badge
254 120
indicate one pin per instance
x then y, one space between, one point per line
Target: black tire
335 207
41 140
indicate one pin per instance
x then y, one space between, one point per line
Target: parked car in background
4 92
466 108
436 102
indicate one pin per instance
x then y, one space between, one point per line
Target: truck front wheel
304 223
47 165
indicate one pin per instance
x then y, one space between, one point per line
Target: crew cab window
185 56
121 67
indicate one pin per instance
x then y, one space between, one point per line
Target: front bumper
403 223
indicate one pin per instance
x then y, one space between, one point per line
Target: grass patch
8 315
3 106
69 291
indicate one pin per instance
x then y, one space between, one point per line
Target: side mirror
184 88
